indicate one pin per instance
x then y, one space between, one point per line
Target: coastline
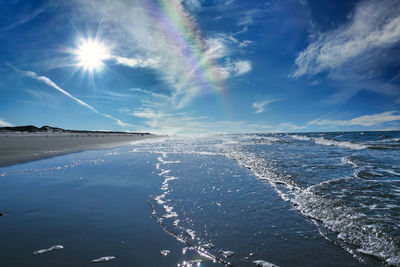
160 203
20 147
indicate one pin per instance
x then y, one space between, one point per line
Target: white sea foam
330 142
111 154
207 246
228 253
190 233
171 214
164 172
310 200
345 144
103 259
161 159
300 137
348 223
165 252
190 263
264 263
159 199
185 249
45 250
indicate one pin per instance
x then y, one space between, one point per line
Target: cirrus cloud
3 123
365 120
374 26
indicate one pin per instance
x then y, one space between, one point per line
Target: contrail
52 84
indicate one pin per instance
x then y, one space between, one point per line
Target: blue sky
197 66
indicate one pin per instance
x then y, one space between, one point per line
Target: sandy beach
169 202
22 147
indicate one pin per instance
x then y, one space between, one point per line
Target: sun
91 54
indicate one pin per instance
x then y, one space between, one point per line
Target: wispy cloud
374 26
24 19
245 43
52 84
193 4
240 67
366 120
357 55
187 60
288 126
136 62
3 123
247 18
147 38
184 123
148 92
234 68
259 106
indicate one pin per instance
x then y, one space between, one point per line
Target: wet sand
18 148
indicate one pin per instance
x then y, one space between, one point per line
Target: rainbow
181 30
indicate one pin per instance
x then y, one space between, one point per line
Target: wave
45 250
103 259
331 142
350 225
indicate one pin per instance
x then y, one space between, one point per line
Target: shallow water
321 199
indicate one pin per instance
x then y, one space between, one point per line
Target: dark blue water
318 199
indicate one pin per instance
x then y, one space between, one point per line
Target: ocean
297 199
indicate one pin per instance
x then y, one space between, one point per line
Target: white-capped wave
332 213
165 252
228 253
45 250
345 144
190 233
264 263
103 259
300 137
331 142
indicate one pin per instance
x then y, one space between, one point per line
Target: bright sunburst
91 54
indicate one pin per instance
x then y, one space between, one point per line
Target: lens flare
91 54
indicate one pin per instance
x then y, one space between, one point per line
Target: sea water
309 199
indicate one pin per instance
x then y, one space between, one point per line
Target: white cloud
136 62
245 43
259 106
193 4
183 123
248 17
242 67
3 123
219 45
24 19
234 68
366 120
148 92
288 126
374 26
147 36
52 84
124 110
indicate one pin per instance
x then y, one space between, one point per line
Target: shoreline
20 147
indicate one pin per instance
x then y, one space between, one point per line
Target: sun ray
91 54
